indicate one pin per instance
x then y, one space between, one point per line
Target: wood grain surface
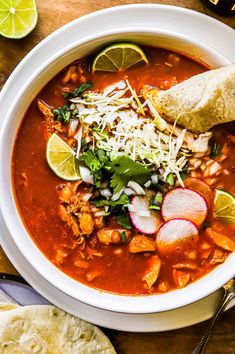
52 15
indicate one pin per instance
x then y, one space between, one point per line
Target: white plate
192 24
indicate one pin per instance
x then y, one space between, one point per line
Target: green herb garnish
83 144
184 172
215 151
123 200
153 200
78 91
62 114
101 154
123 237
91 161
97 177
170 179
125 169
123 220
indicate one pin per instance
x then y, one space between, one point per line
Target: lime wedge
118 57
61 158
17 17
224 206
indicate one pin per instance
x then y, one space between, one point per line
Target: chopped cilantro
123 220
91 161
152 202
215 151
83 143
94 160
97 176
125 169
123 236
101 154
123 200
62 114
170 179
78 91
184 172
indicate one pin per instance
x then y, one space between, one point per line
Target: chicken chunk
153 271
181 279
86 224
221 240
113 236
142 243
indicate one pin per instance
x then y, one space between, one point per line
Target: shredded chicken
76 211
181 279
221 240
142 243
108 236
51 124
153 271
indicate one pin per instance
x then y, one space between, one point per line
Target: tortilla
46 329
200 102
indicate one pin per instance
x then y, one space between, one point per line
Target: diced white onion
154 179
106 193
116 196
136 187
99 213
147 184
72 127
129 191
86 196
86 175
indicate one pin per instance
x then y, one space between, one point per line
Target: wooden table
52 15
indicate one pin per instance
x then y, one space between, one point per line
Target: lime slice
61 158
224 206
118 57
17 17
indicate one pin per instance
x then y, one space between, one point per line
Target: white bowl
30 86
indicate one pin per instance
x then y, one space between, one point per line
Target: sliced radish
175 236
143 219
186 204
200 187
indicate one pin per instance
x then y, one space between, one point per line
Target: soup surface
80 227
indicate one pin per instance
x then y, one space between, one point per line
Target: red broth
35 186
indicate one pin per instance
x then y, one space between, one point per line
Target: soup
133 211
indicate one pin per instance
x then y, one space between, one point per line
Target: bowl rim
10 226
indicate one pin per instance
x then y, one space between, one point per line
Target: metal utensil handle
227 297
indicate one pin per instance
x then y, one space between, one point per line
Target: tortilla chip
200 102
44 329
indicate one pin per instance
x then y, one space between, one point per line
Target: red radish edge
173 242
175 212
145 224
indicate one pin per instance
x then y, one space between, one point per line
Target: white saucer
190 23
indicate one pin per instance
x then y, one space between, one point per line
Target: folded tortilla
201 102
44 329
